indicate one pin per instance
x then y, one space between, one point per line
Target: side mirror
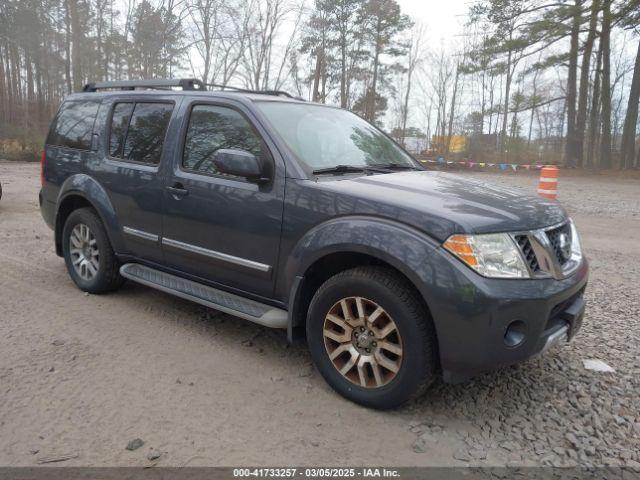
240 163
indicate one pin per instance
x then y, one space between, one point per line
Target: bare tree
605 141
627 152
264 19
583 99
440 70
415 56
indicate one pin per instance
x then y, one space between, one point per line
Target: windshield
325 137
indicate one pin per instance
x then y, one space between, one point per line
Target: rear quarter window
73 125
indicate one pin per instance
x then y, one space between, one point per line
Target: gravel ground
82 377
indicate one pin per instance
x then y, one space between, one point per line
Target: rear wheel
371 338
88 254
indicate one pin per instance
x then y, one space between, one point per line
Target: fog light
515 333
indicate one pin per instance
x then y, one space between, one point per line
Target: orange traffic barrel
548 184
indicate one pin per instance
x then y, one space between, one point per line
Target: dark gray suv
305 217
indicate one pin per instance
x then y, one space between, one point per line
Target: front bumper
565 325
473 316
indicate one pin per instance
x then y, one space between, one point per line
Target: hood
442 204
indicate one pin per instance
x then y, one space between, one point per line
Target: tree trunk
605 142
76 47
371 113
3 90
503 132
315 96
322 89
593 114
67 47
11 94
343 64
533 109
405 109
627 152
452 109
581 117
570 145
490 106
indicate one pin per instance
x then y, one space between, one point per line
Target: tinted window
74 124
119 124
212 128
138 136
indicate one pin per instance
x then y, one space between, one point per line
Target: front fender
403 247
84 186
399 245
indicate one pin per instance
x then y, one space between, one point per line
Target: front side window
212 128
138 130
73 125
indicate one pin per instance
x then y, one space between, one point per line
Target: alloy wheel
363 342
83 249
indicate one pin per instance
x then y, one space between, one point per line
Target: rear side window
119 124
212 128
73 125
138 130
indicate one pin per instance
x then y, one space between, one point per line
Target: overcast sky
443 18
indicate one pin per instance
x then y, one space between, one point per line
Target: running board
211 297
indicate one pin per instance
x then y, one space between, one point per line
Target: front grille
527 251
548 252
554 237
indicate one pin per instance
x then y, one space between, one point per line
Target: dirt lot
82 375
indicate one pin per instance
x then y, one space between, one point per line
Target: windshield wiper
349 169
396 166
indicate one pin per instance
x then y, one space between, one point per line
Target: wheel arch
340 245
81 191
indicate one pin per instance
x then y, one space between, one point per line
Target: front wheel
371 338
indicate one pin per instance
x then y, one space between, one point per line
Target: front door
218 227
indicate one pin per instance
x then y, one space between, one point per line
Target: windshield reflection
324 137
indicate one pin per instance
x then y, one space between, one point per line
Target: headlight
576 247
492 255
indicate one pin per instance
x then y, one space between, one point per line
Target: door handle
178 191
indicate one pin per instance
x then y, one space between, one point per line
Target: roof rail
278 93
161 84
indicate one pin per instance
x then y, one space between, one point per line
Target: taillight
42 159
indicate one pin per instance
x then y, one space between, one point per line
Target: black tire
108 276
389 290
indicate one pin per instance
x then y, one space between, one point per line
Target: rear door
133 147
222 228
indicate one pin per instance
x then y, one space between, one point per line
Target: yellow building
457 143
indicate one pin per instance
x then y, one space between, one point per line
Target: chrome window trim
216 255
140 234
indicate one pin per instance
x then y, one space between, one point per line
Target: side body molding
399 245
84 186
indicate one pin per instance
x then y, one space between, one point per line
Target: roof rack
277 93
192 84
165 84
